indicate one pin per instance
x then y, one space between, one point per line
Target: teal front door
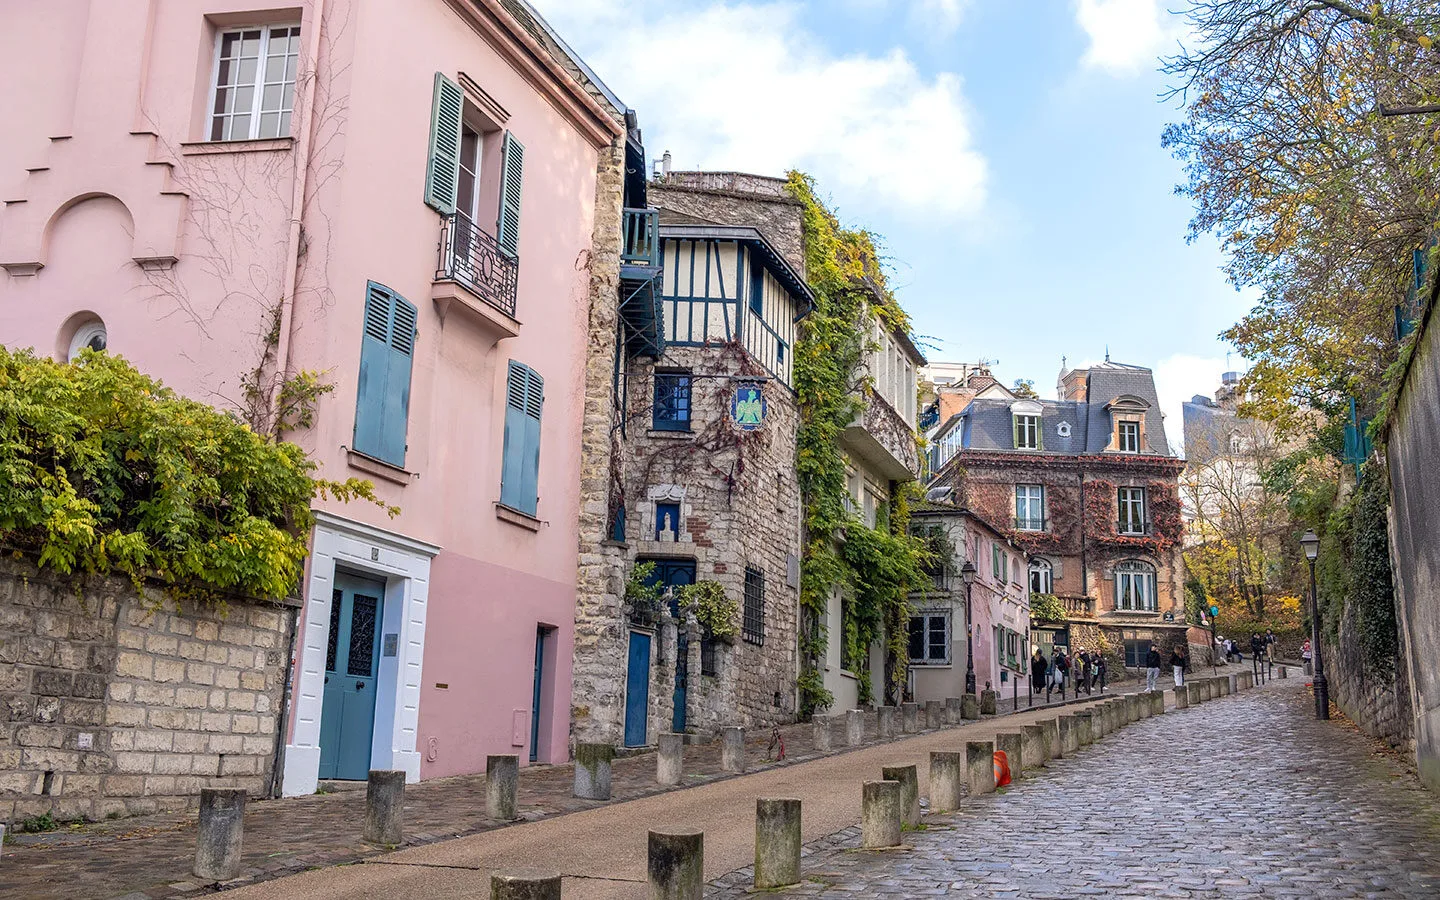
352 660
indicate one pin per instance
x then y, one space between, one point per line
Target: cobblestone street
1248 795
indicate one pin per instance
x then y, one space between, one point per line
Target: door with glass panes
352 660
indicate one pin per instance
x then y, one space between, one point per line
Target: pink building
399 197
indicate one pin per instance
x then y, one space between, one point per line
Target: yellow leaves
1425 41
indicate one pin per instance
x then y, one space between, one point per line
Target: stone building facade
1088 486
118 702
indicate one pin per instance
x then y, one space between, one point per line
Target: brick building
1088 485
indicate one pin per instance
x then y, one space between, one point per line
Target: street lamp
1311 545
967 575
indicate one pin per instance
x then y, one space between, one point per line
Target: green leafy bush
103 469
1047 608
714 610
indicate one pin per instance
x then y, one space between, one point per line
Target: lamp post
967 574
1311 544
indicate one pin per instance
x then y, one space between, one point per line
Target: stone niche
114 702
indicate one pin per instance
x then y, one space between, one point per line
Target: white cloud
1181 377
749 87
1126 36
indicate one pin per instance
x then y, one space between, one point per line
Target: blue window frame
672 401
667 519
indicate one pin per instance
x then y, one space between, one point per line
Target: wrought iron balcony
1030 523
476 260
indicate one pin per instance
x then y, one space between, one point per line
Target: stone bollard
969 708
732 749
676 864
1102 720
1192 693
592 771
1182 698
525 884
989 702
1284 672
1069 727
502 780
1234 683
777 842
909 780
1034 746
1116 712
823 733
909 718
1012 744
1224 682
854 727
980 767
670 761
1085 727
880 814
1053 747
885 722
1131 708
947 781
934 715
221 833
952 711
1141 707
1157 703
1207 689
384 807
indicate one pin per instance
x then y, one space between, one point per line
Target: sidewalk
150 857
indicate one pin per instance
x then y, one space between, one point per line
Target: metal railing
641 231
475 259
1133 527
1027 523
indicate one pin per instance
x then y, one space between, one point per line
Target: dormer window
1128 437
1027 432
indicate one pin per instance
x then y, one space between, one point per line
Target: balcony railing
475 259
1079 607
1027 523
1133 527
641 230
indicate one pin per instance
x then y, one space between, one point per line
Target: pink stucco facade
206 260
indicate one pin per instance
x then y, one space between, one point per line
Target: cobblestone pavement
1245 795
151 856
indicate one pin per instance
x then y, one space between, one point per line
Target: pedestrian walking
1152 667
1177 665
1100 670
1306 656
1059 666
1082 671
1038 667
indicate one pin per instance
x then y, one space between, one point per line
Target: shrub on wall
103 469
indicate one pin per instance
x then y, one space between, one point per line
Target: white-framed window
252 92
1042 577
1030 507
90 335
1132 510
930 638
1129 437
1135 586
1027 432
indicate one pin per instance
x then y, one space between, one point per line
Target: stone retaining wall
116 703
1378 703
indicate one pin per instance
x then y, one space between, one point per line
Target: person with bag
1307 656
1037 671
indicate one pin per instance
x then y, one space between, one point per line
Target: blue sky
1008 151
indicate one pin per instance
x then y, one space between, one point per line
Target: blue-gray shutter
512 176
382 403
520 459
442 173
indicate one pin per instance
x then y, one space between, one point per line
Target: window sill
382 470
263 145
666 434
931 666
517 518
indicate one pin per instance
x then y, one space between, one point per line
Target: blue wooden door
536 695
352 660
637 689
674 573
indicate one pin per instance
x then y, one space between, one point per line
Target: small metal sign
748 407
392 644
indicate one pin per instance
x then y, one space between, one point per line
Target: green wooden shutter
512 176
442 174
1015 431
382 402
520 459
1039 432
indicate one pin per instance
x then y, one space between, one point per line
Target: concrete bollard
1053 747
909 780
934 715
947 781
670 761
1193 694
1034 746
885 723
525 884
989 703
969 708
1131 708
1142 706
1234 683
980 767
502 780
854 727
221 834
1157 703
1102 720
592 771
1116 709
1012 744
1224 682
909 718
880 814
1069 727
384 807
777 842
1207 689
732 749
1182 697
676 864
1284 672
1085 727
823 733
952 711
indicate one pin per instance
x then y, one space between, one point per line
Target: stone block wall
1379 703
118 703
